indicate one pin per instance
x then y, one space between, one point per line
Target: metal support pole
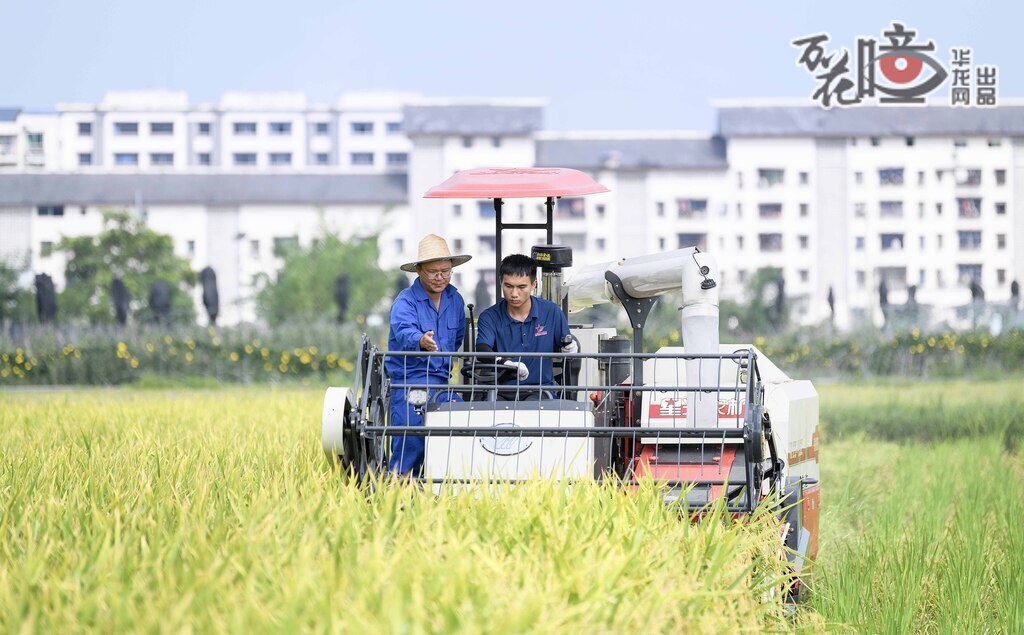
497 248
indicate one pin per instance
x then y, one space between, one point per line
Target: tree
126 249
762 311
304 287
17 306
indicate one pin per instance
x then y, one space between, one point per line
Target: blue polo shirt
412 315
541 332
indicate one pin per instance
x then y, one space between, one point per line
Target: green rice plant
214 510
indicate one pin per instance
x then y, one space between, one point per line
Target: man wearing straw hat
429 315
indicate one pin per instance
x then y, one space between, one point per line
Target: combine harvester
714 421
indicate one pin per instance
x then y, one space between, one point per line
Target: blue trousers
407 451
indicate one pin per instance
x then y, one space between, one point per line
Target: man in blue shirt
523 323
429 315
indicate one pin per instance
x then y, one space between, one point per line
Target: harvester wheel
337 430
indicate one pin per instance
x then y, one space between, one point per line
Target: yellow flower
216 341
233 356
248 349
283 367
188 357
4 357
135 362
305 359
149 347
78 354
264 352
312 350
168 340
267 367
28 367
4 372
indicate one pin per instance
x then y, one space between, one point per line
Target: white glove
520 367
571 347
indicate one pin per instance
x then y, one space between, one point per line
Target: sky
641 65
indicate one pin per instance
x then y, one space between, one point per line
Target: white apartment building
839 199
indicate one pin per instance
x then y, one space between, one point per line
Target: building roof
472 119
200 189
9 114
707 153
792 121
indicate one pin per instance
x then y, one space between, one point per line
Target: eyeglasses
438 275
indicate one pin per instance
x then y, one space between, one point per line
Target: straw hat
432 248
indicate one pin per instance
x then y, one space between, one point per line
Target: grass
212 510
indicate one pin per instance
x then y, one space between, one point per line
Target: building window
203 158
190 248
739 242
890 209
770 210
920 177
600 210
970 177
739 180
280 158
969 272
938 240
457 210
361 127
804 178
84 158
769 177
245 158
321 128
1000 177
397 158
281 128
126 128
362 158
969 207
859 210
890 176
1001 276
960 143
254 248
910 141
203 128
495 142
50 210
858 243
804 210
739 210
84 129
770 242
1000 209
1000 241
467 142
805 241
282 244
660 207
875 141
570 208
393 127
161 158
858 178
599 243
161 128
487 243
126 158
45 249
322 158
485 209
457 244
805 275
661 243
920 210
862 279
699 241
245 128
969 240
891 242
940 281
692 208
920 277
938 209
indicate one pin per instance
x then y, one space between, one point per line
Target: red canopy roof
516 183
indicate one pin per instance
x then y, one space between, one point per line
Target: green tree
304 287
17 304
126 249
761 311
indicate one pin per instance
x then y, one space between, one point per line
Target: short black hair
518 265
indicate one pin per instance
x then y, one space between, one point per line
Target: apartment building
923 199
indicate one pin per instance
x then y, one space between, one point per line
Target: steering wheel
488 373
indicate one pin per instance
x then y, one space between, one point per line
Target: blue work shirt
412 315
541 332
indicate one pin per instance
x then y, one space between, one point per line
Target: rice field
213 510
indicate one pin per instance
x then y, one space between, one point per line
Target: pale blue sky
623 65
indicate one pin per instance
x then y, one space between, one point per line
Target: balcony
35 158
